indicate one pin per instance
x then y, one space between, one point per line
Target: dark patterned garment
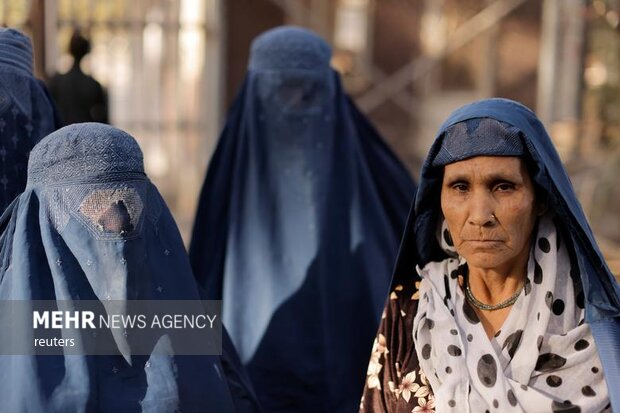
394 382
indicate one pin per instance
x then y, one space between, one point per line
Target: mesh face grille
112 210
295 93
109 211
115 219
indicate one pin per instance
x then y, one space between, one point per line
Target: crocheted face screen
294 93
112 210
299 93
109 211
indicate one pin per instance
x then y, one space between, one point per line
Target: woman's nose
481 210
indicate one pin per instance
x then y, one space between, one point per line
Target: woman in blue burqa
91 226
501 299
298 226
27 113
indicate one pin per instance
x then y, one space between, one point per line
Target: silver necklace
482 306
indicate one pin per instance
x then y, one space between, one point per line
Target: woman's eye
460 187
503 187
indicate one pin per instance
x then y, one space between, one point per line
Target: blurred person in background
298 225
80 98
501 299
91 226
27 113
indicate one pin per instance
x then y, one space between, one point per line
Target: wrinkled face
490 208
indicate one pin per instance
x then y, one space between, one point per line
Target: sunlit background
172 68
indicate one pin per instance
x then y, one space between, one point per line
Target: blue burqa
91 226
601 293
298 226
27 113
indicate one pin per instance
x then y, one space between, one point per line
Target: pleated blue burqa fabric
298 225
27 113
91 226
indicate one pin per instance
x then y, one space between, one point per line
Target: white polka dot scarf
543 359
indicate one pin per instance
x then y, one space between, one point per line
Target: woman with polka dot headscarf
501 300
